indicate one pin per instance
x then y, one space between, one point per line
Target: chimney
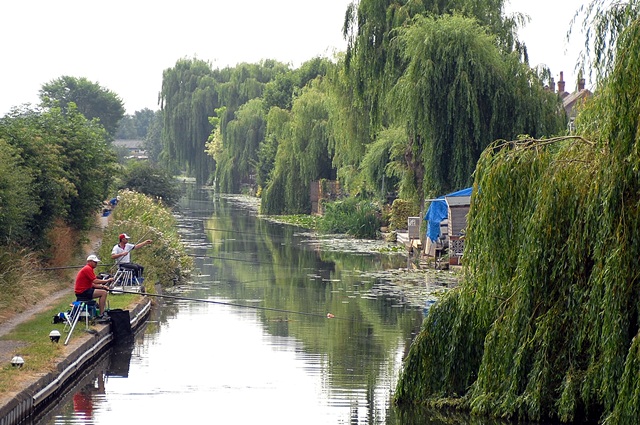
552 85
561 84
581 84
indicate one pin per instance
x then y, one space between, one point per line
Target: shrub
357 218
401 210
165 260
144 178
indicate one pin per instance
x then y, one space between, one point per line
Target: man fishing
121 252
88 286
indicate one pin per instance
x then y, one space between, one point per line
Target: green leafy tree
19 204
126 128
546 323
382 166
602 24
188 97
369 30
153 139
351 132
279 91
277 127
136 126
302 156
285 85
240 122
243 137
69 162
143 177
92 100
391 42
459 93
143 119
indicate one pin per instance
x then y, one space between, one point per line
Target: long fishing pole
71 267
174 297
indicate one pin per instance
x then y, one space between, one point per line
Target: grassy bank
25 281
32 343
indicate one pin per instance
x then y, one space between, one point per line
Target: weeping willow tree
188 97
242 122
454 74
243 137
382 165
369 26
276 131
302 154
351 132
546 323
458 93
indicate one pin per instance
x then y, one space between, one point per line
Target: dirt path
8 347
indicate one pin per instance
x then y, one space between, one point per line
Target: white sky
124 45
546 35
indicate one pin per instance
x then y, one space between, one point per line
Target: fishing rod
71 267
174 297
111 266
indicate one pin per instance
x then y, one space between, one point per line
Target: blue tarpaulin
438 211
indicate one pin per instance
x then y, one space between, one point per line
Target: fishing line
174 297
227 259
257 263
232 231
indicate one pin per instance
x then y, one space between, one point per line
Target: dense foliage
302 154
136 126
423 88
58 165
156 182
191 93
459 93
166 261
546 324
90 99
358 218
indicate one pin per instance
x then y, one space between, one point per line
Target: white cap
93 258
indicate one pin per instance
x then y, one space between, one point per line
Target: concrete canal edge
39 393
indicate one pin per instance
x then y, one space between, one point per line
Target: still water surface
277 358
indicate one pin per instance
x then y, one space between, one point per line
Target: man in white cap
121 253
88 286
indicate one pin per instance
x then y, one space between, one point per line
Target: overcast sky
124 45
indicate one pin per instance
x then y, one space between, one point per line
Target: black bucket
120 325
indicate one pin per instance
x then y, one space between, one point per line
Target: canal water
300 329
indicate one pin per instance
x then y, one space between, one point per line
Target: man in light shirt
121 253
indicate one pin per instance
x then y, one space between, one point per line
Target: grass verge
34 346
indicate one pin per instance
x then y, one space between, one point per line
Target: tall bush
66 162
355 217
142 218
